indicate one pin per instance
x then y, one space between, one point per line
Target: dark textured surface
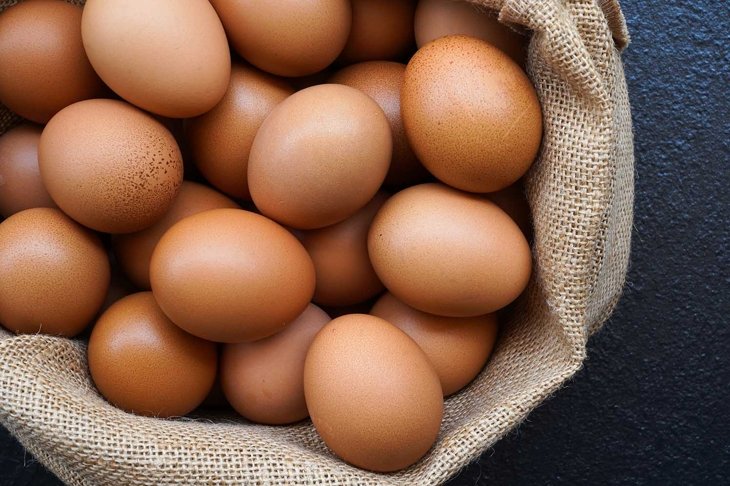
652 405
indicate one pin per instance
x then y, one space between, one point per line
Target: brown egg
457 347
373 396
119 287
54 273
471 114
321 155
264 380
231 276
448 253
143 363
44 66
167 57
381 29
438 18
220 140
134 250
21 186
341 262
287 37
382 81
110 166
513 202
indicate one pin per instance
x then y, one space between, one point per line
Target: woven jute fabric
581 194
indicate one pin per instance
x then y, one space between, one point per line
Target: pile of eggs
236 200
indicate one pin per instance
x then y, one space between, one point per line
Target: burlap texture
581 194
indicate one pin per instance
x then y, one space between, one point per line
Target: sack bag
581 193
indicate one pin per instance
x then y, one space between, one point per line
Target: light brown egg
167 57
264 380
341 262
229 275
220 140
439 18
54 273
457 347
21 186
471 114
512 200
448 253
382 81
381 30
110 166
321 155
287 37
373 396
44 66
143 363
134 250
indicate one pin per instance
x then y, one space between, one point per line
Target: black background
652 404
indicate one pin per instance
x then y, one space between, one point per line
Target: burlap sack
581 194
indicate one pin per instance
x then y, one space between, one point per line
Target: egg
109 165
321 155
167 57
457 347
340 256
471 114
381 29
287 37
382 81
513 202
143 363
54 273
44 66
230 275
21 186
221 139
373 396
448 253
264 380
439 18
134 250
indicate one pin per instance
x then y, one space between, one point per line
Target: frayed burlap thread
581 194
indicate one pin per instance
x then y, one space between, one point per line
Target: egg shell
21 186
457 347
381 29
54 273
220 140
382 81
109 165
134 250
230 275
143 363
287 37
471 114
321 155
44 66
167 57
447 252
264 380
373 396
438 18
341 262
512 200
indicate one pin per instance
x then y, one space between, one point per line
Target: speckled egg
373 396
230 275
220 140
54 273
471 114
381 30
134 250
109 165
447 252
44 66
21 186
143 363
